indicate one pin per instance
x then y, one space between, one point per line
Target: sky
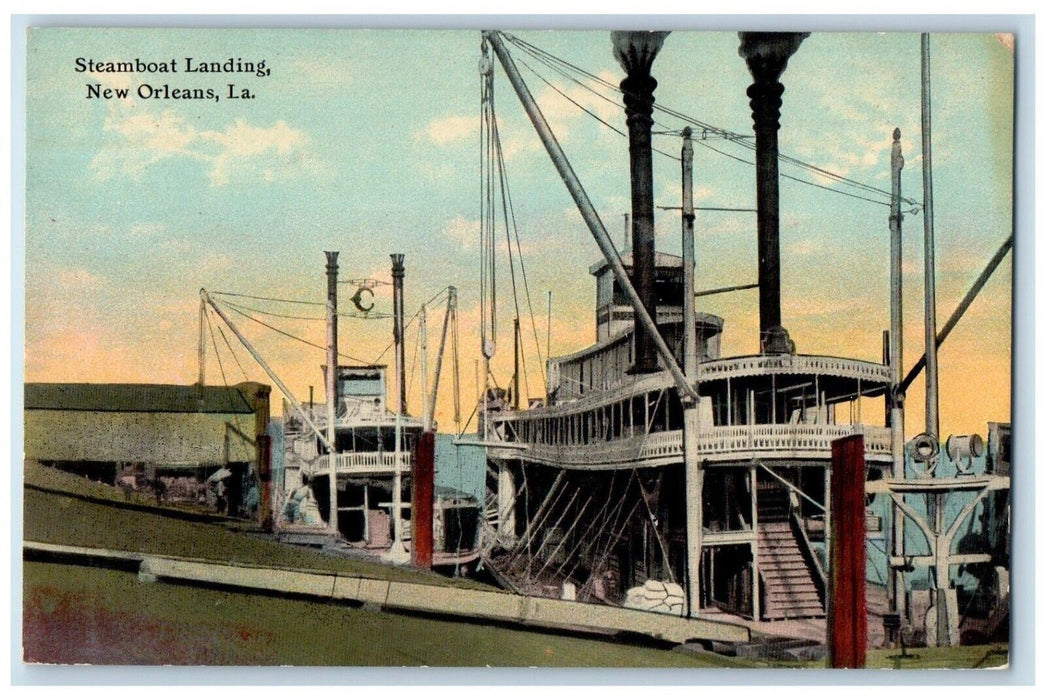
367 142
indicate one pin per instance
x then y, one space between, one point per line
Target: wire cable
291 335
225 381
562 67
259 298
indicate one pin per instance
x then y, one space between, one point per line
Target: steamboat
657 473
358 470
373 460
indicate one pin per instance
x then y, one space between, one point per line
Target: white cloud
464 232
140 139
242 146
562 107
450 129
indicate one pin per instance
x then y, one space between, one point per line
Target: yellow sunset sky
366 142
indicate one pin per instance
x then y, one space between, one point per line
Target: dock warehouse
136 433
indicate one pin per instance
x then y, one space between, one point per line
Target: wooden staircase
788 585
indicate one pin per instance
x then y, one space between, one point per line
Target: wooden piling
847 605
421 501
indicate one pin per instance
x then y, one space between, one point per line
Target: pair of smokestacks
398 273
766 54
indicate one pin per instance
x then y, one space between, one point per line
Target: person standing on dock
292 510
220 492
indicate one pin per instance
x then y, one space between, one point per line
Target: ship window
604 289
669 292
359 382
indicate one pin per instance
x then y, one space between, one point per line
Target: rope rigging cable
495 189
600 87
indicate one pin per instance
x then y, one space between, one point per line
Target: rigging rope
340 314
589 112
233 353
506 206
457 377
289 335
285 301
437 296
414 364
225 381
791 177
487 270
495 159
564 68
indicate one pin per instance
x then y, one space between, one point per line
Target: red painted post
847 606
421 501
264 456
265 482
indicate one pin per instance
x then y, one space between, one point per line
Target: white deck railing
794 364
362 463
785 438
776 441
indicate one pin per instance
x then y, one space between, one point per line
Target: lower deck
620 536
365 507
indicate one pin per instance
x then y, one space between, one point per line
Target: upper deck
364 429
774 406
766 407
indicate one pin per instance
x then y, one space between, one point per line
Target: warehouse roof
148 398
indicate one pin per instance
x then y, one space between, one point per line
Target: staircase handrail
808 549
792 487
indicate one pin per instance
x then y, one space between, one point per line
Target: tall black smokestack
767 54
332 328
635 51
398 273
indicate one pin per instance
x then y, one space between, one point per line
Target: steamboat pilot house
587 491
